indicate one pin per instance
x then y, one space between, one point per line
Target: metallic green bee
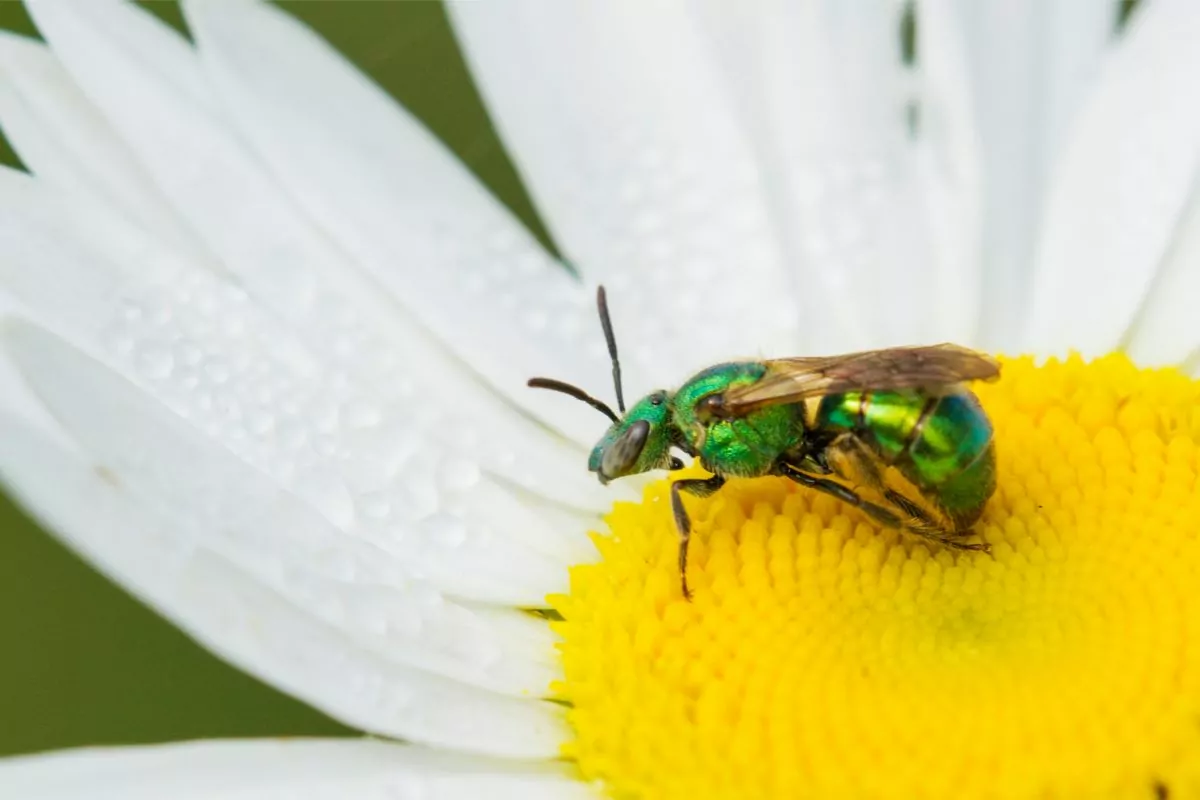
835 424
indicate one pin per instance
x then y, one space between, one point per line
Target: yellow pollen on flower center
823 657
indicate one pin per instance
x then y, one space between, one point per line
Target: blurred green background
82 662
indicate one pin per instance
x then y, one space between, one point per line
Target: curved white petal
393 197
616 115
179 561
200 347
302 769
305 268
361 589
949 166
1167 328
1028 65
397 496
824 95
64 140
1121 186
62 133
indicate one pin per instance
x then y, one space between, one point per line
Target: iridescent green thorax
653 409
942 444
744 447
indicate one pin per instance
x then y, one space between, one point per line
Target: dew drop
375 505
459 474
233 326
323 490
292 435
132 312
445 530
218 370
119 342
260 422
160 316
536 320
155 362
326 445
528 265
361 414
421 497
188 353
474 282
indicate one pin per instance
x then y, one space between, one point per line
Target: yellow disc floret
823 657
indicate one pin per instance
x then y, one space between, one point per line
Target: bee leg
701 487
877 512
922 524
851 455
917 522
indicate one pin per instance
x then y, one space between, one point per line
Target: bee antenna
611 341
576 392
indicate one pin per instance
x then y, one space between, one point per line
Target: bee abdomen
951 437
887 421
929 439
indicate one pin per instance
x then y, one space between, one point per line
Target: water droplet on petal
375 505
445 530
361 414
155 362
459 474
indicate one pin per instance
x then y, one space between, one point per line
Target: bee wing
789 380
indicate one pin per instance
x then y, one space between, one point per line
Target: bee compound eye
620 456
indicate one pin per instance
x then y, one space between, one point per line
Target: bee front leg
701 487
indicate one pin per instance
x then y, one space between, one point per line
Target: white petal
949 167
1167 329
19 401
1029 64
1121 186
175 559
406 501
63 139
289 260
311 769
396 199
616 116
823 91
236 512
201 348
67 135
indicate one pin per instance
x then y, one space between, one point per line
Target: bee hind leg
701 487
913 518
920 522
834 489
847 454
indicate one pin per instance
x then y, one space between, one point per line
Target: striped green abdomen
942 444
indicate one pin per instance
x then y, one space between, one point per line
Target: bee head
638 442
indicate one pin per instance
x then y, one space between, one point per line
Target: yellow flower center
823 657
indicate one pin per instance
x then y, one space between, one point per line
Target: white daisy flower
267 346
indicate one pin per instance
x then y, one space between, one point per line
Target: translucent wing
789 380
